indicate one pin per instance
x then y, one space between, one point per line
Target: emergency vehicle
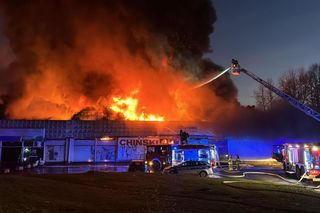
277 152
302 159
160 156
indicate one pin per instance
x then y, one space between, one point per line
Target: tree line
301 84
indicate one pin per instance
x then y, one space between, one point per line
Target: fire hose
270 174
264 173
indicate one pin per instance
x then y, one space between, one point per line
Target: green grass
133 192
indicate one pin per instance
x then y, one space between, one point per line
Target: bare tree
303 85
288 83
314 86
265 98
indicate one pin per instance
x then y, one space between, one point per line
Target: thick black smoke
49 32
65 53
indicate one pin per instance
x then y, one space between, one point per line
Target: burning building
133 60
109 61
101 64
94 141
108 66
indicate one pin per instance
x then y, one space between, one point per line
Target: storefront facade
92 141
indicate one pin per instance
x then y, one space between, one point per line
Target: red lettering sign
138 142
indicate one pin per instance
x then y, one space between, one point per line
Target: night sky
267 37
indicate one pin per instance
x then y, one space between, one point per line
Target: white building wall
55 150
70 150
84 151
106 151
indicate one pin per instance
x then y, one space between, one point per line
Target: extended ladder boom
236 70
307 110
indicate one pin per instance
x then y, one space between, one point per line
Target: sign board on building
134 148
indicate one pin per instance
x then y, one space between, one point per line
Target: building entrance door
11 154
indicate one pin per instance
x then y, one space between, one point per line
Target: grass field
132 192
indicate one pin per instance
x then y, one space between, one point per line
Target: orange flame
128 107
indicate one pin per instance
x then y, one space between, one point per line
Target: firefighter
235 67
183 137
234 62
238 162
230 163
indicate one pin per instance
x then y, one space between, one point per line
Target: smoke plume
71 57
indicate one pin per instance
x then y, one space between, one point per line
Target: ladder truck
160 156
300 159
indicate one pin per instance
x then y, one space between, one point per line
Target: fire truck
297 158
302 159
160 156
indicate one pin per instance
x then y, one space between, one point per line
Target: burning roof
86 59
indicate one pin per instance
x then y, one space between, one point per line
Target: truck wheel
156 165
302 171
173 171
298 173
203 174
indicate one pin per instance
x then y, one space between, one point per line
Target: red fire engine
160 156
302 159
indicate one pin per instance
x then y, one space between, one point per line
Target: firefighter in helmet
235 67
230 163
238 162
234 62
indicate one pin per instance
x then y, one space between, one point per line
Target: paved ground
264 172
269 171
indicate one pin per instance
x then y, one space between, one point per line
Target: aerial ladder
236 70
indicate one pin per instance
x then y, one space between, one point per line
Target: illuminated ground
128 192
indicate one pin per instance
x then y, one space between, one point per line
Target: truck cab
160 156
277 152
